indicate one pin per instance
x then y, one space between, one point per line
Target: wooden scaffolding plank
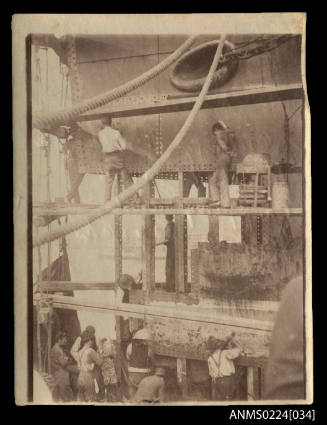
195 314
174 211
65 286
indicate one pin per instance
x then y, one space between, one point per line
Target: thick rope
149 175
64 116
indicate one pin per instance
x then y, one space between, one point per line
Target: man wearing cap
218 181
140 359
152 388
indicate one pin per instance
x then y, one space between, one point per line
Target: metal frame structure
180 207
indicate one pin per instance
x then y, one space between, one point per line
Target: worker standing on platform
219 182
140 357
169 241
114 147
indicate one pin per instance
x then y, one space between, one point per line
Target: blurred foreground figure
41 391
151 389
59 365
140 359
285 373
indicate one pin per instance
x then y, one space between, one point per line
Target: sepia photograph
162 210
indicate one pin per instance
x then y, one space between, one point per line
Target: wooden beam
148 243
173 103
180 242
182 375
174 211
188 313
63 286
118 243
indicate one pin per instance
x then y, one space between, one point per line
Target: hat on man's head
143 334
86 336
214 343
60 335
126 281
219 125
90 329
106 120
160 371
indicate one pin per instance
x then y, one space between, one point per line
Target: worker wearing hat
218 181
140 358
152 388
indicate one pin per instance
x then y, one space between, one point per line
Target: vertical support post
182 375
252 378
49 326
180 246
269 184
256 184
38 339
118 272
148 243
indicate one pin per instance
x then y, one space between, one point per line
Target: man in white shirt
222 369
74 351
113 146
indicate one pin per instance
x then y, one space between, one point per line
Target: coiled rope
64 116
149 175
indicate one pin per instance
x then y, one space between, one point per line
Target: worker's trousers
126 180
219 183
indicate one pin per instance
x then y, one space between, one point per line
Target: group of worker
88 372
114 147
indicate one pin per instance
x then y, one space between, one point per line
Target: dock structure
183 308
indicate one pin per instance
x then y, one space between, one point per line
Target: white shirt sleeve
232 353
75 349
212 368
129 351
110 140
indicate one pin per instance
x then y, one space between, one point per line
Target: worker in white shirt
113 146
75 352
221 367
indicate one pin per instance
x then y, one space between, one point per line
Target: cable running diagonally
64 116
150 174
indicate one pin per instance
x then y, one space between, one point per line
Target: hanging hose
65 116
149 175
